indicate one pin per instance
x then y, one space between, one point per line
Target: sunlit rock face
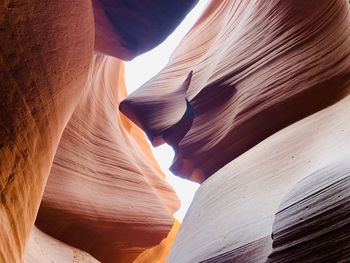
285 200
126 28
106 194
44 64
42 248
247 69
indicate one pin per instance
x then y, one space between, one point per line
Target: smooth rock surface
106 194
159 254
258 66
42 248
232 215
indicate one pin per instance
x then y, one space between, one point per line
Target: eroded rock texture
246 70
44 65
255 100
126 28
46 57
235 211
106 194
313 222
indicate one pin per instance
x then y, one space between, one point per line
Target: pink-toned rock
258 66
45 54
106 194
284 199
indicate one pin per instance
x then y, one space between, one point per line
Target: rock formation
45 72
255 102
44 65
251 60
159 253
106 194
45 249
257 99
313 220
232 215
126 28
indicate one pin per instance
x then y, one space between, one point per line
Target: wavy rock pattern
313 222
42 248
126 28
106 194
45 72
255 100
44 64
233 212
251 61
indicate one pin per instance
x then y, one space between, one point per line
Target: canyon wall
44 66
47 67
255 102
45 249
106 194
246 70
248 209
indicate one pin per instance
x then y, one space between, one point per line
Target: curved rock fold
254 60
104 178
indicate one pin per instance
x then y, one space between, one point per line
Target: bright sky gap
144 67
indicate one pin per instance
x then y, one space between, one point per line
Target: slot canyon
254 101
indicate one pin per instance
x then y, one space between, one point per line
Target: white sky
144 67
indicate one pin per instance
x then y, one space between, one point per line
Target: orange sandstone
106 195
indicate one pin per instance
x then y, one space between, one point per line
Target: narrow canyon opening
143 68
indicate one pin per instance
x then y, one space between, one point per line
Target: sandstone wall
246 70
106 194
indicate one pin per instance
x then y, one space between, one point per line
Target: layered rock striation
284 199
312 223
255 102
246 70
46 72
106 194
44 65
160 253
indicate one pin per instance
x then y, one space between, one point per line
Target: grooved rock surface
106 194
246 70
109 197
255 102
313 222
42 248
233 212
126 28
44 64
